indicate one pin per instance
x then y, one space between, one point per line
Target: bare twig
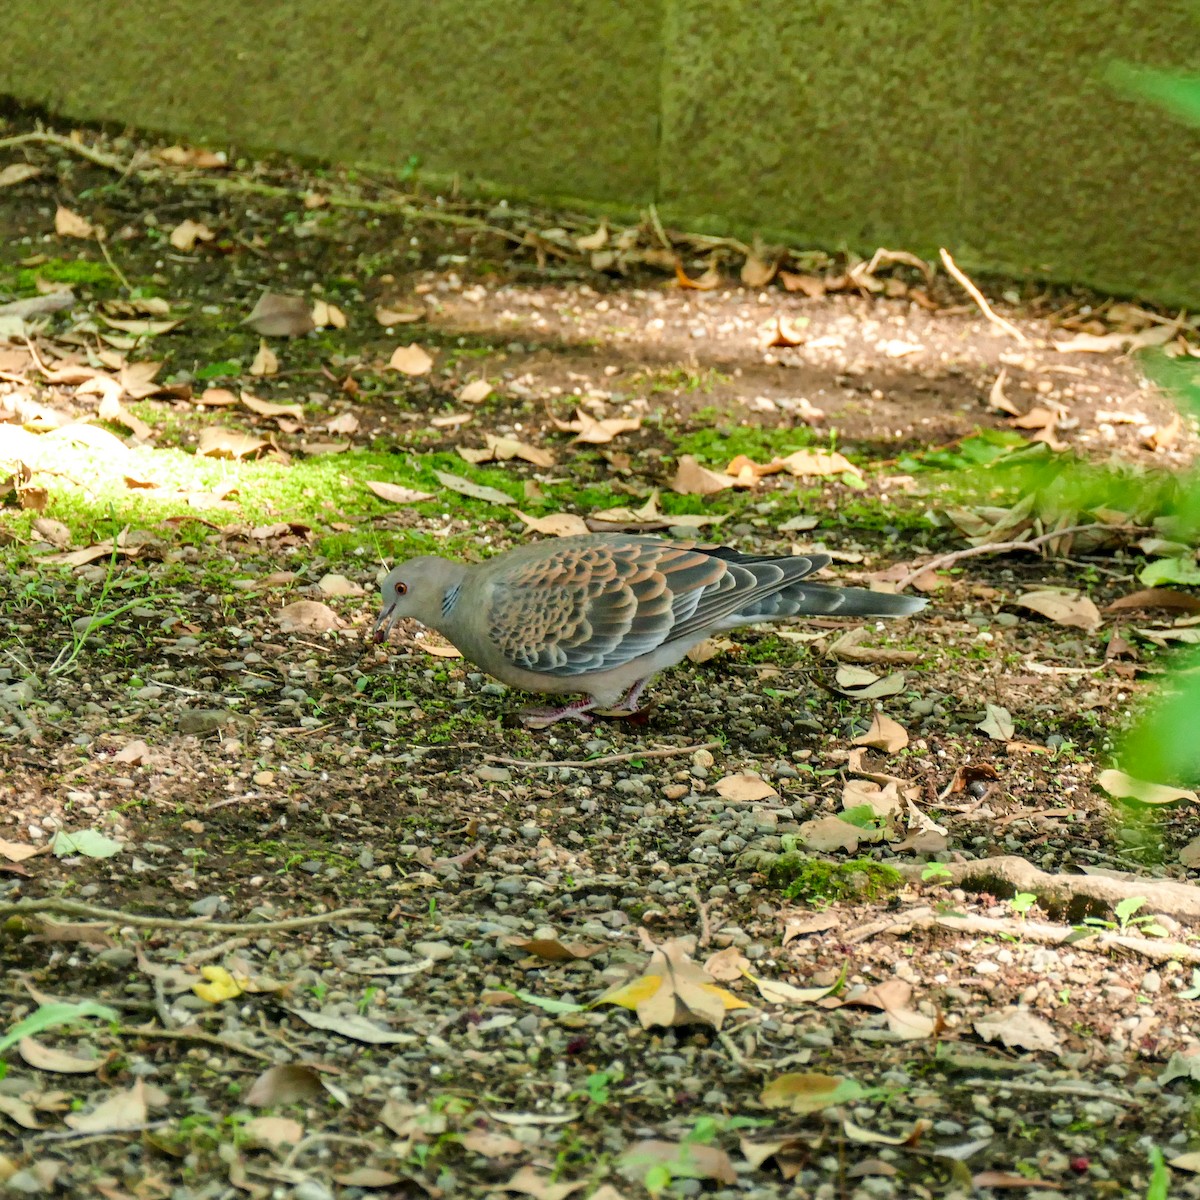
76 908
979 299
668 752
112 266
705 937
65 143
192 1034
945 560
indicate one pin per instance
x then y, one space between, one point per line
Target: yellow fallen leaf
220 985
187 233
691 479
803 1092
266 362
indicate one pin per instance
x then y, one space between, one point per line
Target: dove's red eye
401 588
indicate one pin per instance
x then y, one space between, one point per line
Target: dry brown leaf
284 1084
556 524
345 422
758 270
1019 1029
684 1160
594 241
708 649
706 283
1063 608
215 397
780 331
743 787
50 1058
728 965
277 315
435 644
69 224
328 316
1009 1179
1164 435
691 479
55 532
502 449
1121 786
307 616
826 834
673 991
746 472
528 1182
475 392
807 463
492 1145
187 233
192 156
16 851
883 801
551 949
395 493
266 361
272 1133
265 408
812 286
884 734
18 172
122 1111
1157 597
387 317
595 432
894 997
140 328
411 360
216 441
338 585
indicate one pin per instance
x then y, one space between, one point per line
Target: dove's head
424 588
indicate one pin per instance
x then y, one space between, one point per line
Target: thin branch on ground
667 752
945 560
705 937
112 265
192 1034
44 138
76 908
976 295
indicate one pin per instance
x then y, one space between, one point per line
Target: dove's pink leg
628 702
577 710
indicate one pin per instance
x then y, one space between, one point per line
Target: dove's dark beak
384 623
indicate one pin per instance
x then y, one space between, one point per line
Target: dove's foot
627 706
540 718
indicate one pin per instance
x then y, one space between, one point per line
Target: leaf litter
664 843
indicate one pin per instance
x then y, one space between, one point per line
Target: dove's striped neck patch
450 599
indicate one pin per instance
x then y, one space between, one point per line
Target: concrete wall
979 124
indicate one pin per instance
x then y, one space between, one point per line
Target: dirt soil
349 922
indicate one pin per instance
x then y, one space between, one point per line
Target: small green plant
1022 902
936 873
368 998
1126 921
596 1087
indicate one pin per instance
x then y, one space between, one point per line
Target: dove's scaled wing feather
597 604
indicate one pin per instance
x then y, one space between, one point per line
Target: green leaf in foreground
51 1016
1178 94
1163 745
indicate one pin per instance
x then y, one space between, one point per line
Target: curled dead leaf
411 360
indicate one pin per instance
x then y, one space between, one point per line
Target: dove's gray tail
816 600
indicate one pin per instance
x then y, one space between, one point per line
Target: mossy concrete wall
978 124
